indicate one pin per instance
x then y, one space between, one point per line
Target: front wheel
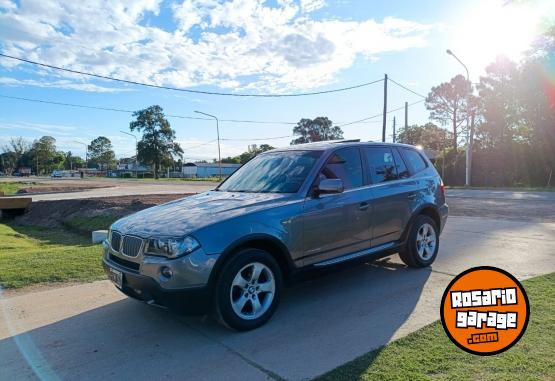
248 290
422 243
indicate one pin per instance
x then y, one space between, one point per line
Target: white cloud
60 84
238 45
41 128
312 5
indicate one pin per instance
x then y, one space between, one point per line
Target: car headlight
172 247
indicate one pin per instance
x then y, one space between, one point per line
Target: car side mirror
330 186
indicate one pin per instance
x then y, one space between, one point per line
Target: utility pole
394 130
406 115
384 107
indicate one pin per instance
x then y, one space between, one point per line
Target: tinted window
344 164
276 172
402 170
414 160
381 164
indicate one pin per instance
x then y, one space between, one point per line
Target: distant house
208 169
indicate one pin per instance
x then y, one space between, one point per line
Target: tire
243 301
422 243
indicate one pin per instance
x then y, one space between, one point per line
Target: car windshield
276 172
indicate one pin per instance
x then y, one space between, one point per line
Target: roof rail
346 141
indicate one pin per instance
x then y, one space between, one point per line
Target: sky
241 47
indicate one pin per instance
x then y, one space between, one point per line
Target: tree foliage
428 136
251 152
315 130
157 145
447 104
101 154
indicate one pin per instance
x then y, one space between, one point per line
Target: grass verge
31 255
427 354
10 188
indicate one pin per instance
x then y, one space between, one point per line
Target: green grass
10 188
86 225
30 255
427 354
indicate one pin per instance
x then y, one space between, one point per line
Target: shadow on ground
321 323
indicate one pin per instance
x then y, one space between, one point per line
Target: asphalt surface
91 331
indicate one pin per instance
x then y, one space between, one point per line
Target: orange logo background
472 335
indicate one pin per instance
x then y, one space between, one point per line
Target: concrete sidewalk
91 331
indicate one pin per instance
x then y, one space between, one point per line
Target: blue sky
241 46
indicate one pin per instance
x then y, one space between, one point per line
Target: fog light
167 272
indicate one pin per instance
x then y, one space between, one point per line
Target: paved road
91 332
482 194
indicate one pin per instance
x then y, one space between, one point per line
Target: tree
157 144
101 153
315 130
15 154
73 162
251 152
45 155
499 102
447 104
428 136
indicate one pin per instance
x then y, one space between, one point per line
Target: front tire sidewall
223 308
410 253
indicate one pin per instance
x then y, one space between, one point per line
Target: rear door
392 191
338 224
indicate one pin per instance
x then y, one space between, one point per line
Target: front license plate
116 277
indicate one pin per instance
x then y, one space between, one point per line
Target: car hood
183 216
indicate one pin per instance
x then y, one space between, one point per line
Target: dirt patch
58 189
59 212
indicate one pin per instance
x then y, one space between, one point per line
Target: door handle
363 206
412 196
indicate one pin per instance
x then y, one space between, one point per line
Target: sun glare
496 28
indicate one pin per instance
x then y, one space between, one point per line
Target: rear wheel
422 243
248 290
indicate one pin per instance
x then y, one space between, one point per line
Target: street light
86 152
136 153
471 133
218 132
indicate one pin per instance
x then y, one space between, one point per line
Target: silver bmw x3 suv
230 250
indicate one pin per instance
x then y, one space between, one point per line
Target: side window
381 164
414 160
344 164
402 170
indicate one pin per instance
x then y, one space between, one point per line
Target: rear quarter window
414 160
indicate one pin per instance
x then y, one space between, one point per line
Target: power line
131 112
168 115
187 90
380 114
406 88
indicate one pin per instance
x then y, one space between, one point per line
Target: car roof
333 144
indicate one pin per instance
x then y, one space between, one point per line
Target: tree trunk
455 128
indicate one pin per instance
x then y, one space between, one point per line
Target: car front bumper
186 298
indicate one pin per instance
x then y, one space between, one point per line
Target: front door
338 224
